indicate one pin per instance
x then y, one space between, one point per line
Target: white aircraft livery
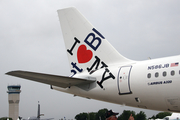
99 72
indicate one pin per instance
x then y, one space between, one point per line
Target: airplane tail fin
87 48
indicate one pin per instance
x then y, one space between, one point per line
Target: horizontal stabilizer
59 81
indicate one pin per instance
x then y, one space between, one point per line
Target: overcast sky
31 40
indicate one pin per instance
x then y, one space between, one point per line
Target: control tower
13 98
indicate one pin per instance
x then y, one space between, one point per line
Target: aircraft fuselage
151 84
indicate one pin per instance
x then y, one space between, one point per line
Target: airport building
14 98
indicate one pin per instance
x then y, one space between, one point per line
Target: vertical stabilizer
84 43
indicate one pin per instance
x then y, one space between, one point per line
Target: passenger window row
164 74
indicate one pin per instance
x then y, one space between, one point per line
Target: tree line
100 115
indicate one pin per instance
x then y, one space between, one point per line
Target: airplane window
156 74
172 72
164 73
149 75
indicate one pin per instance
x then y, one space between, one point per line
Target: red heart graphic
84 55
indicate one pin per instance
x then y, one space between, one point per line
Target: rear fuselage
151 84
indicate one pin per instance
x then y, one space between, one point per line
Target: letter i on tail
85 44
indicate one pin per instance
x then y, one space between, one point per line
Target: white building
13 98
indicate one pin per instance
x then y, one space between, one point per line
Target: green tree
101 114
140 116
5 118
92 116
125 115
161 115
81 116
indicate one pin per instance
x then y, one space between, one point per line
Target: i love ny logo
84 55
